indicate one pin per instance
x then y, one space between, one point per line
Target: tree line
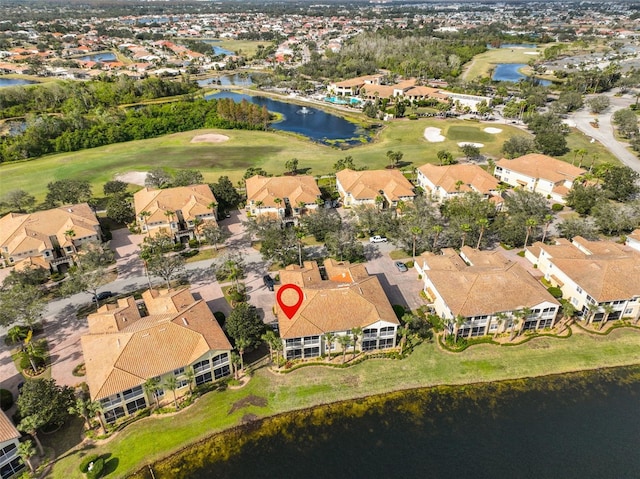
72 132
68 96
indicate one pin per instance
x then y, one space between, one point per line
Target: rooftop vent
185 322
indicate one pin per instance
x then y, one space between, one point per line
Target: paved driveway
604 133
401 288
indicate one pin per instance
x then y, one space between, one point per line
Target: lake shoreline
220 439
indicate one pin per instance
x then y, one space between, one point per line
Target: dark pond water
228 80
14 82
569 427
98 57
509 72
218 50
311 122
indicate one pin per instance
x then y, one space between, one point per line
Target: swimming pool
337 100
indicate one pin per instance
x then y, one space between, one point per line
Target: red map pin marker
290 309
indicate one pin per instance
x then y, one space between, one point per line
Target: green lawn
155 437
269 150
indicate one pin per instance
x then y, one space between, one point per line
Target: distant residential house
49 238
10 463
486 290
284 197
594 276
633 239
179 338
444 182
337 298
373 187
175 211
539 173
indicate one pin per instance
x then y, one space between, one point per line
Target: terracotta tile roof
536 165
367 184
473 178
8 431
492 286
21 233
357 81
121 357
192 200
297 189
335 306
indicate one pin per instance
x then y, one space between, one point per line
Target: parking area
402 288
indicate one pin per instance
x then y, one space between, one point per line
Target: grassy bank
155 437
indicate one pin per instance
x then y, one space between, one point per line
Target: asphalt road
605 132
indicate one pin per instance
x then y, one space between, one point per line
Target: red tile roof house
124 349
364 187
349 298
539 173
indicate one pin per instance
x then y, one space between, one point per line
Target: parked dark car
103 295
268 282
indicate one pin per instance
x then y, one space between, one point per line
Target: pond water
310 122
98 57
236 79
15 82
509 72
579 426
218 50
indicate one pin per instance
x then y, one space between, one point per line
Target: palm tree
329 338
270 338
483 223
608 309
437 229
235 363
151 387
259 204
465 228
26 451
190 374
355 333
592 309
278 202
379 201
30 425
547 222
169 214
501 319
344 342
85 408
69 235
171 383
530 224
459 321
415 231
242 344
299 236
197 227
144 215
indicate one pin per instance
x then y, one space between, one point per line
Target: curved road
604 134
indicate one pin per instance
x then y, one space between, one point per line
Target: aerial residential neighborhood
233 235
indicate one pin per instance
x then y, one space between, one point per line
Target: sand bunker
133 177
492 130
463 143
433 135
209 138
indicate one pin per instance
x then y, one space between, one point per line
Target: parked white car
377 239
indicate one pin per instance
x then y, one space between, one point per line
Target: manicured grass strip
157 436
